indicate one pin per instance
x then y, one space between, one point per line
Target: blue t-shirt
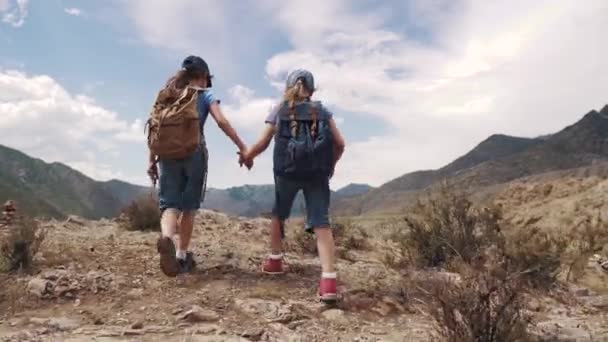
274 112
205 99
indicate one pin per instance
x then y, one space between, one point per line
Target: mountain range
56 190
495 161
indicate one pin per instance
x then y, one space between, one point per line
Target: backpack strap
314 113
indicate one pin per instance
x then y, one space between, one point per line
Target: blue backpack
303 143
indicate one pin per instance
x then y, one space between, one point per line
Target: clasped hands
246 158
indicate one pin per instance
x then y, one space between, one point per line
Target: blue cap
300 74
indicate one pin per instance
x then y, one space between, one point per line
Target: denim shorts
182 180
316 197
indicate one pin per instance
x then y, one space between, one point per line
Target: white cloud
516 68
14 12
480 67
245 111
73 11
39 117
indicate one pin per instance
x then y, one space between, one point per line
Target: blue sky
414 84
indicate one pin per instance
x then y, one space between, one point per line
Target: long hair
177 83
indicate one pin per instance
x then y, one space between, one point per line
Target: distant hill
352 190
496 160
56 190
256 200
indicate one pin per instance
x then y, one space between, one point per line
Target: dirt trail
98 282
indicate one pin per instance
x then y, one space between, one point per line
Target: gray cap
306 76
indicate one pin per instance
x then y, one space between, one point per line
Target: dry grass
445 226
586 239
484 306
347 236
19 244
537 253
141 215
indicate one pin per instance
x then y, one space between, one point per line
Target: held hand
245 158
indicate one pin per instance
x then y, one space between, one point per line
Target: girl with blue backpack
307 147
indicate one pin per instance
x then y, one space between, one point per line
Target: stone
335 316
254 334
137 325
135 293
580 291
382 309
63 323
599 302
196 314
255 307
41 288
202 329
39 321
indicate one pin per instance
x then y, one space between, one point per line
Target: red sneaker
273 266
328 290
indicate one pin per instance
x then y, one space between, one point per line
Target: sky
413 84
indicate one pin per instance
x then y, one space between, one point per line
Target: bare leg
276 244
325 245
186 225
168 222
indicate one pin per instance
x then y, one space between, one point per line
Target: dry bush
446 226
537 253
347 236
21 241
483 306
142 215
446 229
350 235
586 239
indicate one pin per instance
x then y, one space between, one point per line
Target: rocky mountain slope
497 160
56 190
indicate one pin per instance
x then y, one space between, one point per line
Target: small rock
203 330
253 334
137 325
63 323
335 315
382 309
77 302
196 314
258 307
135 293
132 332
295 324
580 291
39 321
377 331
599 302
40 287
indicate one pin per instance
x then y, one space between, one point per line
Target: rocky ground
97 282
